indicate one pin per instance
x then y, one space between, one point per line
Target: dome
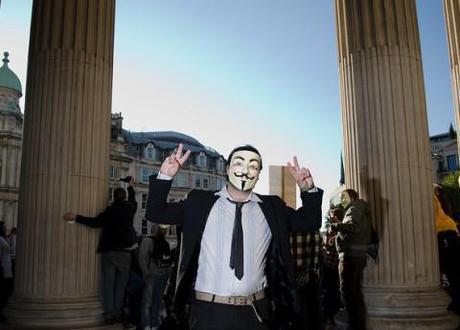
8 78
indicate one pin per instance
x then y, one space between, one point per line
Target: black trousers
331 294
214 316
351 276
449 256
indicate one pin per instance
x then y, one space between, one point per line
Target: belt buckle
238 300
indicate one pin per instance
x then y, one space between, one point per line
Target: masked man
235 257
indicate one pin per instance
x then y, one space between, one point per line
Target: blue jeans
115 275
152 299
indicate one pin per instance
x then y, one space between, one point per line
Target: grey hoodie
354 233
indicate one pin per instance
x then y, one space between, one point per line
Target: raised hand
173 163
301 175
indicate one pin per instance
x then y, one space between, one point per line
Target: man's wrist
311 189
162 176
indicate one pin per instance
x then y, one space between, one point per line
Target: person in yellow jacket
449 251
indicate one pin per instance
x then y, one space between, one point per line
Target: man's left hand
301 175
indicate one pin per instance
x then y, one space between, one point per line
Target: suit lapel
269 212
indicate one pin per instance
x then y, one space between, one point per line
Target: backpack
373 246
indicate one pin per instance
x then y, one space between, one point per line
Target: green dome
8 78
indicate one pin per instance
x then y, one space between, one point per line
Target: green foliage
450 184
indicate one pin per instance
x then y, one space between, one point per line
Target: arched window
149 152
201 160
220 164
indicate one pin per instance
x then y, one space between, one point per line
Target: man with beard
235 259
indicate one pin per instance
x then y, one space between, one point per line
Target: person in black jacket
117 240
235 255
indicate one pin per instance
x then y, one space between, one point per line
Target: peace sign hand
301 175
174 162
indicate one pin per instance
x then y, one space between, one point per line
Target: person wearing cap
235 261
155 261
116 243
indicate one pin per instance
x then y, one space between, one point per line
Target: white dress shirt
214 273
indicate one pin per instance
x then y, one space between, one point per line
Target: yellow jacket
443 221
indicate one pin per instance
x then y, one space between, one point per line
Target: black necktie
236 255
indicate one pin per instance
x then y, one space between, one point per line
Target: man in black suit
235 258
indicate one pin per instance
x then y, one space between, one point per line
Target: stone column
452 16
64 164
387 159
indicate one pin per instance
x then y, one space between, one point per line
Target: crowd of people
276 271
243 260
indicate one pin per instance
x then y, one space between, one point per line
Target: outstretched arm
94 222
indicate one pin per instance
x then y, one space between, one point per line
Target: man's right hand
173 163
69 216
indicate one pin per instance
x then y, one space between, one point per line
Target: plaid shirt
305 255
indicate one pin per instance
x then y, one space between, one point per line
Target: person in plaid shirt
330 273
305 249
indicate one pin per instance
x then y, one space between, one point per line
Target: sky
227 73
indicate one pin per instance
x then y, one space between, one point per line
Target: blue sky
262 72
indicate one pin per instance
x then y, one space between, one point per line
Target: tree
452 190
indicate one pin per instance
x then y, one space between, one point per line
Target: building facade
444 154
11 122
140 154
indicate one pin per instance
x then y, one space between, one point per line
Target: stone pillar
387 159
452 16
64 164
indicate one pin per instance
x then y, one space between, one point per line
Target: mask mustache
244 176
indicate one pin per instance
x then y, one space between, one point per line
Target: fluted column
452 17
387 159
64 163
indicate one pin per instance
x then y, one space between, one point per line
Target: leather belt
230 300
233 300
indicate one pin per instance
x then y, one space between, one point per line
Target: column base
54 313
418 308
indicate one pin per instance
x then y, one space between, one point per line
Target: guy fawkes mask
244 169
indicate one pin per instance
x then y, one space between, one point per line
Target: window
144 201
113 172
144 227
149 152
220 164
180 180
197 181
144 175
201 160
205 182
452 163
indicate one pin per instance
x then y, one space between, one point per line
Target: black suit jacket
192 215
